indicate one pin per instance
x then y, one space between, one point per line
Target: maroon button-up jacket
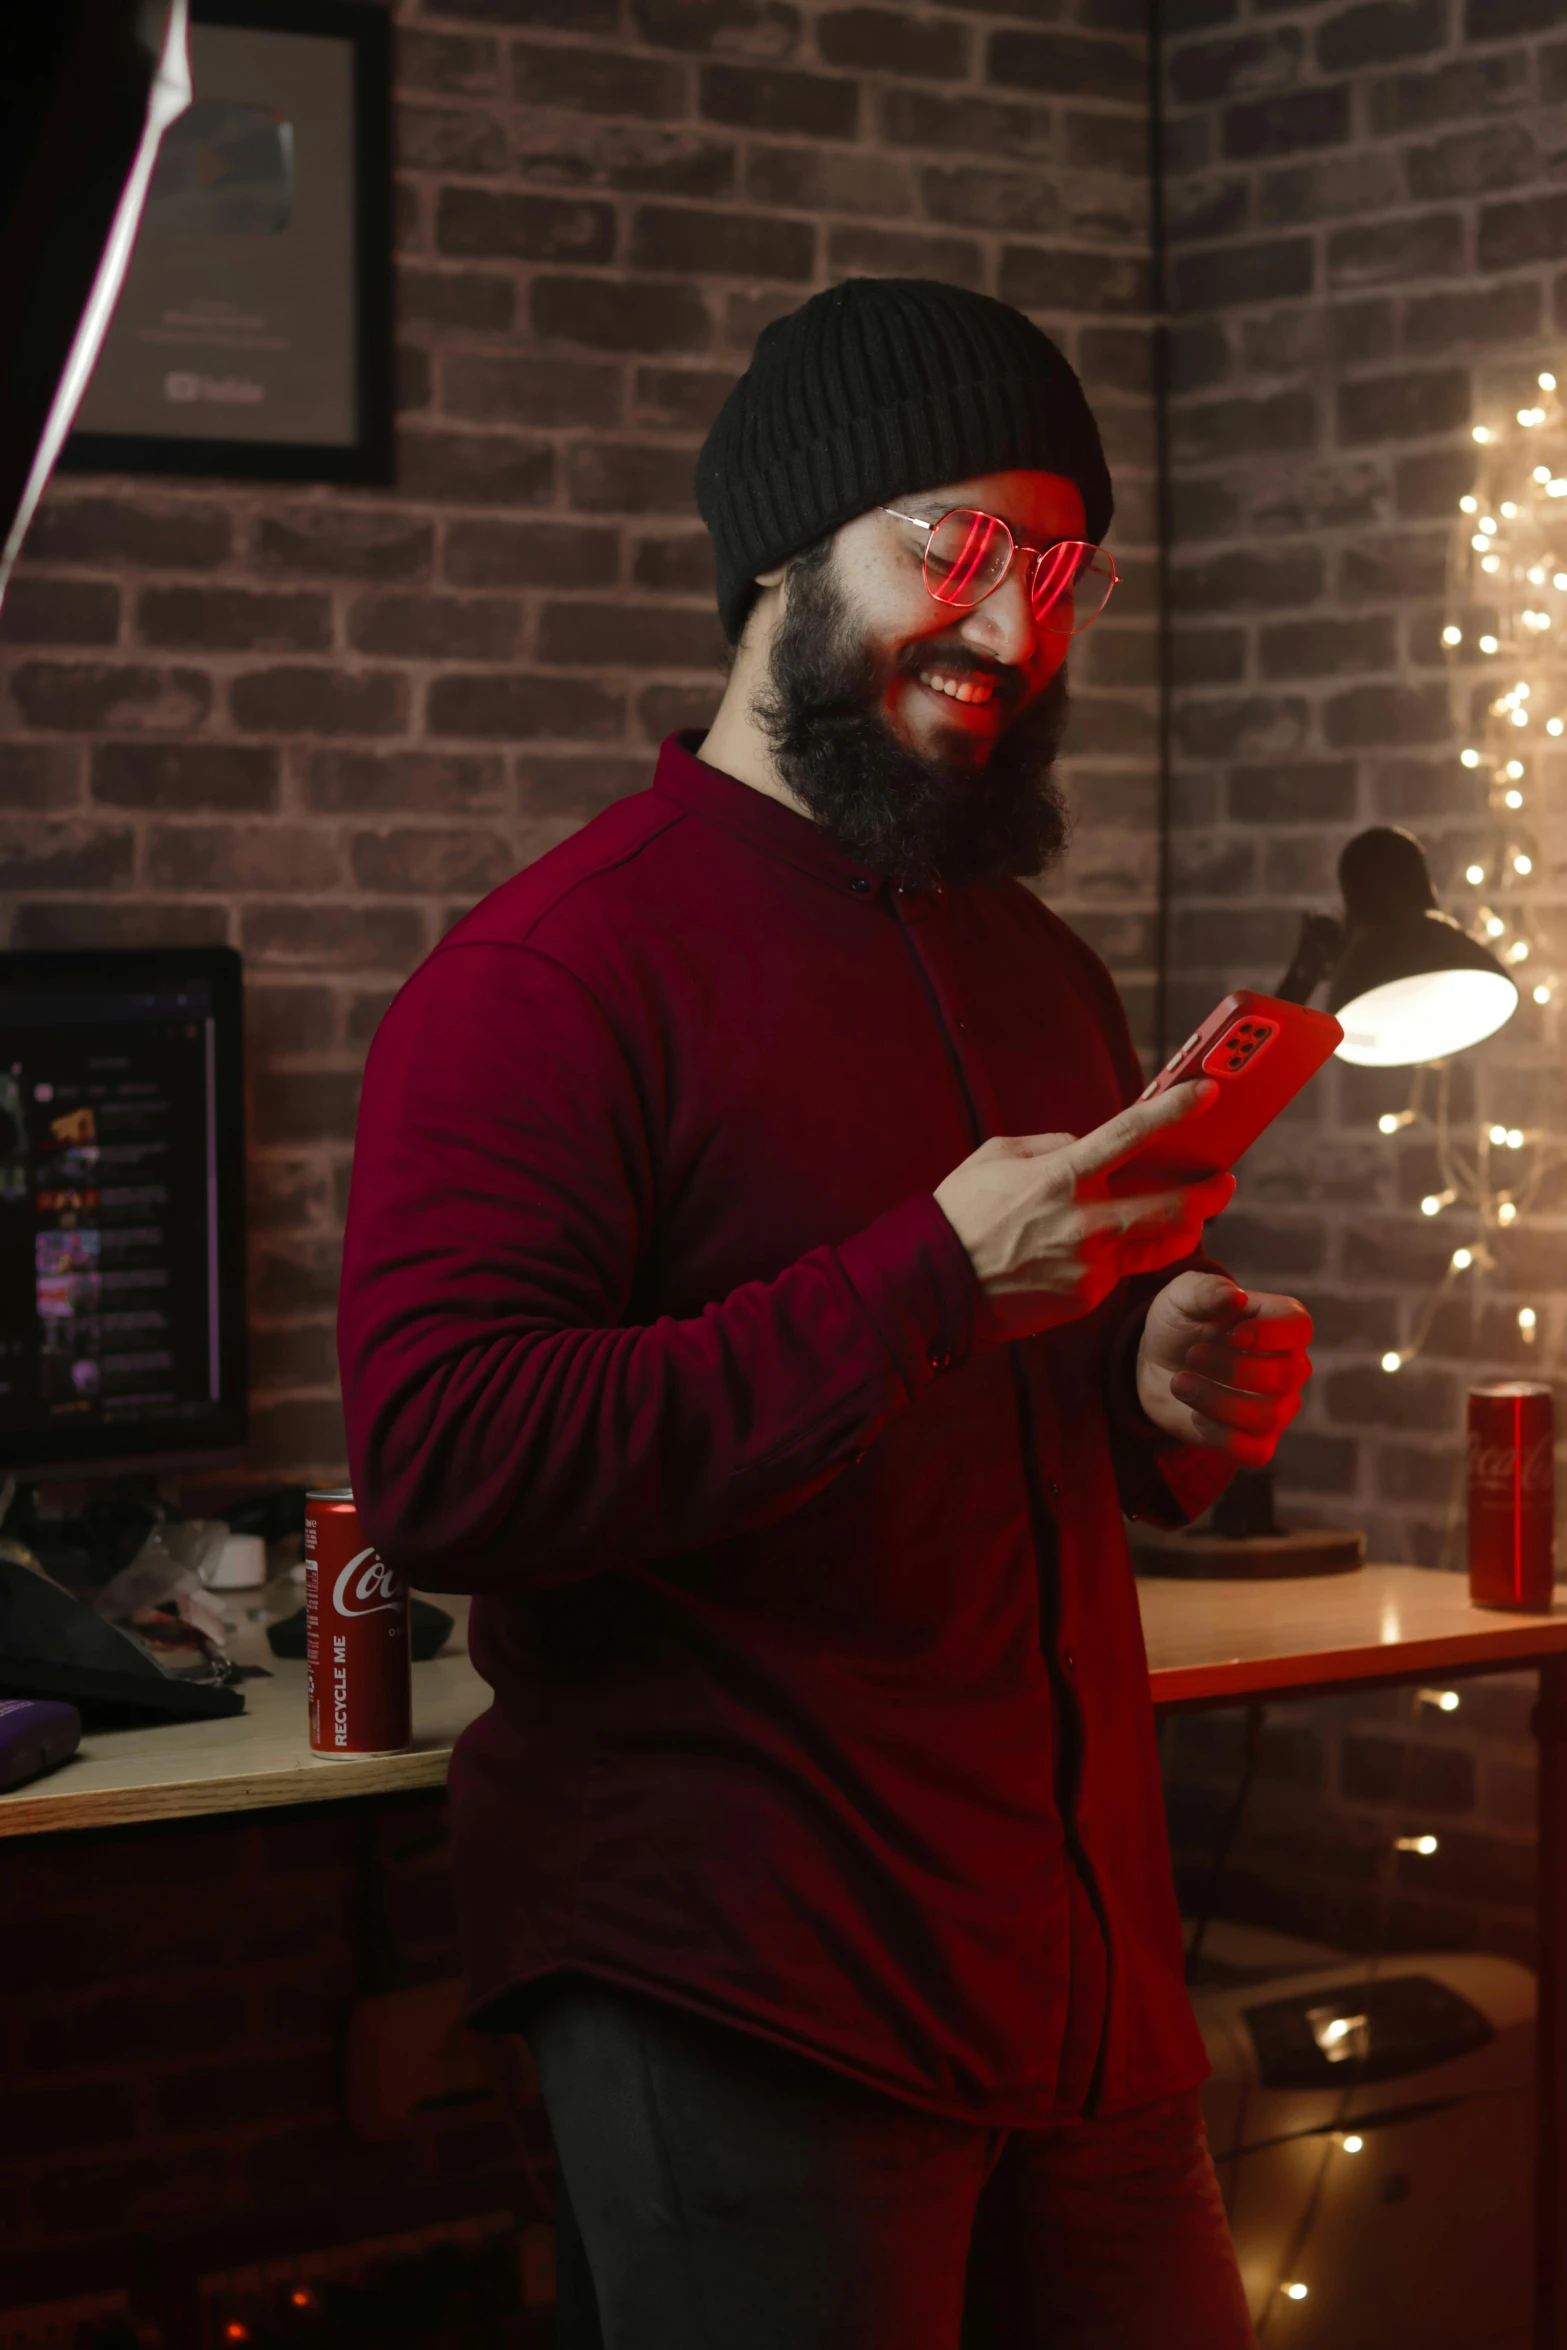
818 1673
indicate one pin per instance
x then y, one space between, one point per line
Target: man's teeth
965 689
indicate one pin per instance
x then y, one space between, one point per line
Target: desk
253 1760
1210 1643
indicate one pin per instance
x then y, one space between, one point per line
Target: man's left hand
1223 1368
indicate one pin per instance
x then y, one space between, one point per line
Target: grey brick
1224 275
1426 244
1402 407
1300 118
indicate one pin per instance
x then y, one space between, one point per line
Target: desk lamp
1404 980
1408 985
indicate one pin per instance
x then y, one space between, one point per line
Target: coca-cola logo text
1498 1464
366 1587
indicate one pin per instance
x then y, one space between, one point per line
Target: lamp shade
1409 984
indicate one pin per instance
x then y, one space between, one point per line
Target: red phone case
1262 1051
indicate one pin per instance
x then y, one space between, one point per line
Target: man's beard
913 819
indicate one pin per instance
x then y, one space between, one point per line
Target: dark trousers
720 2194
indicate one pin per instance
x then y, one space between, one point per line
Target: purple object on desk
36 1734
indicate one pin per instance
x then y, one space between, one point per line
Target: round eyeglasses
969 553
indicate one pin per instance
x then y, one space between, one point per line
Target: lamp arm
1316 952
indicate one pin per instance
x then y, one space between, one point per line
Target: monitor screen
122 1264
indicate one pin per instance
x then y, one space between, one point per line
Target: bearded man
735 1303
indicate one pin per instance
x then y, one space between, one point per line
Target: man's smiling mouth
957 689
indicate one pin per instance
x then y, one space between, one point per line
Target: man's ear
773 578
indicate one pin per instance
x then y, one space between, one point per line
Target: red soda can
1512 1495
356 1635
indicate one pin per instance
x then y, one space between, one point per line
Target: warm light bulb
1481 433
1509 510
1553 726
1452 636
1474 873
1293 2292
1495 926
1488 525
1523 864
1491 563
1392 1362
1526 1323
1518 952
1472 505
1445 1701
1546 382
1462 1260
1514 769
1488 644
1507 1211
1497 1135
1559 579
1353 2143
1542 994
1435 1201
1424 1018
1515 1138
1469 758
1537 575
1556 487
1424 1845
1481 546
1542 473
1520 718
1513 799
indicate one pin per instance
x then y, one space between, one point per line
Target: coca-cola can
356 1635
1512 1495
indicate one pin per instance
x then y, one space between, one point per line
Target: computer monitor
122 1234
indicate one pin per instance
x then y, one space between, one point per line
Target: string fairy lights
1504 643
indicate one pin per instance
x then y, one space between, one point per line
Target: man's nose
1004 625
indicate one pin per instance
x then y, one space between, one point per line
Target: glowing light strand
1504 643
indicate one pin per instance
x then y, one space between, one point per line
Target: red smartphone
1262 1051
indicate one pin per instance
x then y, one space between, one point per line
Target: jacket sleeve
1157 1477
512 1421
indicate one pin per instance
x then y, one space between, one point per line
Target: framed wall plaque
253 333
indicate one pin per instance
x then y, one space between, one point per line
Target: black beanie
880 388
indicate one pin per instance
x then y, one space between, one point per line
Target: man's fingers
1255 1374
1272 1325
1252 1452
1253 1415
1108 1145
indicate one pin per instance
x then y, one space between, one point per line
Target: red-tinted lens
966 555
1071 586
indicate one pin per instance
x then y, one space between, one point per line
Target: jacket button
860 886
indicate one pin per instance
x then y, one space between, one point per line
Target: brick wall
320 724
1366 256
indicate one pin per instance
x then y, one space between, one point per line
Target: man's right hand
1046 1240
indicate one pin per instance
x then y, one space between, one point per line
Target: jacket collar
765 823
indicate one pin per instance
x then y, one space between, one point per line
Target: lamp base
1201 1556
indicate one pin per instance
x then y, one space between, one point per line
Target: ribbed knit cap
880 388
